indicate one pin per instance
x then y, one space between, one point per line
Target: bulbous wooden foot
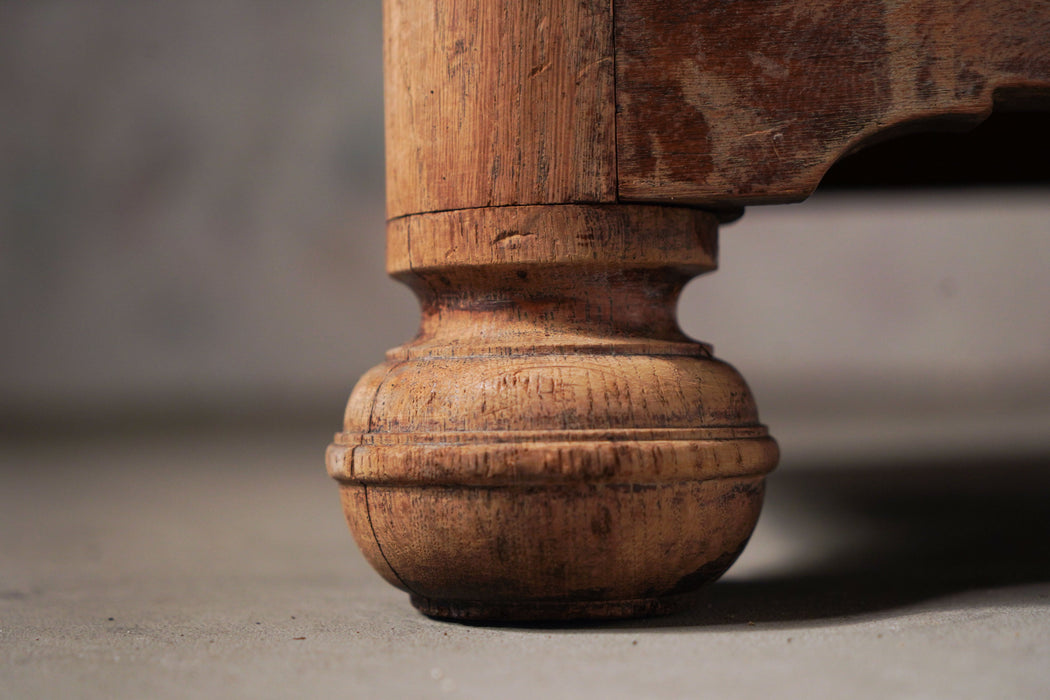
551 446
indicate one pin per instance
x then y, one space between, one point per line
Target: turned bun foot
551 446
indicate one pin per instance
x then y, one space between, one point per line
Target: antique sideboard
551 445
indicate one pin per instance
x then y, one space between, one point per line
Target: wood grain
498 103
515 280
551 445
725 103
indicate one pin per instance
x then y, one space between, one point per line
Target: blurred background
191 281
191 233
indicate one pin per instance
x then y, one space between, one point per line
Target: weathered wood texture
498 103
551 445
723 102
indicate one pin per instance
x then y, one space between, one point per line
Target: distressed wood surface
551 445
724 102
498 103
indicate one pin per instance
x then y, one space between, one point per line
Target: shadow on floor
900 536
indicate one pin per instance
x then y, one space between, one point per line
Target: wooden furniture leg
551 445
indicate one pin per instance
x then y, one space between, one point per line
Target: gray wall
191 213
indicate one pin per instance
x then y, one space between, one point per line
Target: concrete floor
218 565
